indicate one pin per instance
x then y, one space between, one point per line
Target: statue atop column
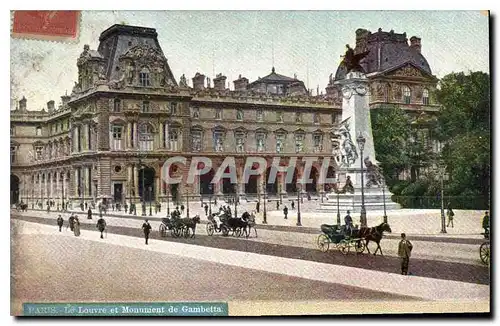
351 60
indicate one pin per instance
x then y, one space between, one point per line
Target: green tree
464 123
391 131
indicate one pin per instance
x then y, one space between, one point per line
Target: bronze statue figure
351 61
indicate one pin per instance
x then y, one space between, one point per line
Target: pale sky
306 43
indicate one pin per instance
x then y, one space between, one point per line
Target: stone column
136 180
75 171
157 186
136 142
129 181
162 136
240 181
39 195
166 135
129 132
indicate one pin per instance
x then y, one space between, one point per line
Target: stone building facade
127 115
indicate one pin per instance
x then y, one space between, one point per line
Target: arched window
144 77
406 94
146 137
425 96
299 141
173 138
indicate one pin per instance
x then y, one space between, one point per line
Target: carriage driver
348 223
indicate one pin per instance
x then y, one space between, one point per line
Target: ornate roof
273 77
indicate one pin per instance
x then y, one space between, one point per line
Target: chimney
415 43
50 106
199 82
22 104
220 82
240 84
65 99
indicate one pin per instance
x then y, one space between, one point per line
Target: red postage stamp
46 24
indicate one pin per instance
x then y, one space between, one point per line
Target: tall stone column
136 180
39 194
136 133
129 133
129 181
166 135
157 186
75 173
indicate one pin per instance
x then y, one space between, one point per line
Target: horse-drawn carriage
484 249
179 226
357 238
236 226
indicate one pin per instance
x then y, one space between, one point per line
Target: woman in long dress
77 227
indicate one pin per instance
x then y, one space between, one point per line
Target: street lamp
187 203
298 205
383 195
210 187
143 191
361 144
265 210
168 200
337 190
235 207
442 172
150 198
62 191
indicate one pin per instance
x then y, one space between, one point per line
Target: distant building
127 114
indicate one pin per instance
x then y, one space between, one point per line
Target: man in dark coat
285 212
60 222
348 222
486 223
257 207
182 209
71 222
146 227
277 205
206 209
101 226
89 214
404 252
450 214
293 204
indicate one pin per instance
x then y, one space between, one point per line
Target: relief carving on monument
408 71
348 153
374 175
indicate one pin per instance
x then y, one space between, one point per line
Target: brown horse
190 223
374 234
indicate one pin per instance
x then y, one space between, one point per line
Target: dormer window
144 77
425 96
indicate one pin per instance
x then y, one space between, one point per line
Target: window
218 114
117 105
279 116
38 131
261 142
299 143
298 117
146 107
38 152
117 132
144 77
12 154
218 141
406 94
280 142
173 136
196 113
315 117
173 108
146 137
318 142
425 97
239 115
196 136
260 115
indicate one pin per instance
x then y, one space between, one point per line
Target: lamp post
298 205
265 211
383 195
168 200
210 187
236 207
62 192
361 144
442 171
187 203
150 197
143 191
337 190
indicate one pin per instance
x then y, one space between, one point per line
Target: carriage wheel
210 229
484 253
360 246
224 230
186 232
176 232
344 246
163 230
237 232
323 243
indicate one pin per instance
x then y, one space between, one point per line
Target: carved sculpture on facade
240 144
260 143
183 81
336 152
348 151
373 174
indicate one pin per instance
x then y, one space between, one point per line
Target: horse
373 234
190 223
250 220
235 223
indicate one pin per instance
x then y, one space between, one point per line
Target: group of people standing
74 224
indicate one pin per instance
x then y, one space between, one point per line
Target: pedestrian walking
101 226
48 207
76 228
206 210
486 223
348 223
71 222
285 212
146 227
404 252
257 207
86 205
215 201
82 207
450 214
293 204
182 209
126 208
277 205
89 214
60 222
